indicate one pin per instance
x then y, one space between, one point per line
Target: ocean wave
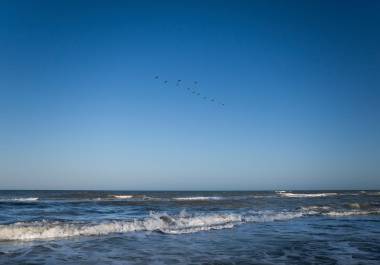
139 197
135 197
122 196
155 222
198 198
316 208
161 222
355 205
27 199
329 211
219 198
368 193
374 193
271 216
351 213
164 223
305 195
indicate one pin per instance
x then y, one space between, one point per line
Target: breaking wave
122 196
161 222
198 198
316 209
28 199
182 223
328 211
305 195
155 222
351 212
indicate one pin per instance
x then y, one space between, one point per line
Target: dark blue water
109 227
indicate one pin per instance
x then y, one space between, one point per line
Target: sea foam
155 222
122 196
305 195
162 222
27 199
198 198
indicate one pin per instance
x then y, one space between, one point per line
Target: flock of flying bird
193 90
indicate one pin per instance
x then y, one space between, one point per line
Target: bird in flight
193 91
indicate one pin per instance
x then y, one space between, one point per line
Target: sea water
183 227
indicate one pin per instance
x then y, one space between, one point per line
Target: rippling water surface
114 227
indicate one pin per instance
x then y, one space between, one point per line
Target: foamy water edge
162 222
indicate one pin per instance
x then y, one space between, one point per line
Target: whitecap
162 222
329 211
155 222
354 205
315 208
27 199
122 196
198 198
350 213
306 195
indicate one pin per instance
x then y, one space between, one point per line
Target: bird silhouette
193 90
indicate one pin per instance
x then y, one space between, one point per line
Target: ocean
184 227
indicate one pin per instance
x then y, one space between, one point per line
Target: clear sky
80 107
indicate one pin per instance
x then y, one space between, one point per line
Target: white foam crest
351 213
155 222
316 207
182 223
306 195
328 211
162 222
198 198
122 196
354 205
27 199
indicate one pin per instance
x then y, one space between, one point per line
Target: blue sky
80 107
